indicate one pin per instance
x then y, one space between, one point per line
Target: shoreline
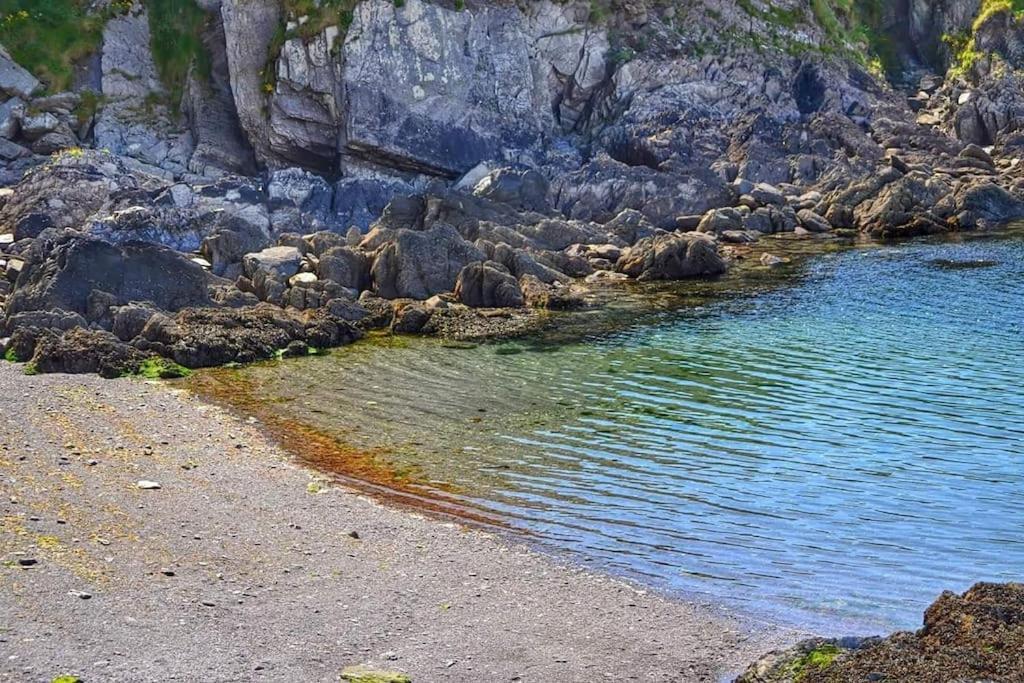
242 562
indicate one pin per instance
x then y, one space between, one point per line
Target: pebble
27 561
146 484
353 534
208 603
167 572
80 594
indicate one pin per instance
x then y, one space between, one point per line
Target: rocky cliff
325 165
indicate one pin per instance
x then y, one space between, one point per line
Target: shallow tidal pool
832 454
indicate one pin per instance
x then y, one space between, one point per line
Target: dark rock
977 636
410 318
812 222
63 272
204 337
81 351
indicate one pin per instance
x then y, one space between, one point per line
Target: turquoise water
832 454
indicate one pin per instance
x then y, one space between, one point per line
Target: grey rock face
133 123
303 110
299 201
220 142
569 59
360 201
460 86
249 27
14 80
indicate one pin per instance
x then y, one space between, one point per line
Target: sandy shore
241 565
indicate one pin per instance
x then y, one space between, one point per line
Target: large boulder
204 337
672 256
279 262
913 204
488 285
64 270
986 205
417 264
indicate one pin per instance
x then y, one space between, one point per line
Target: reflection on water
837 451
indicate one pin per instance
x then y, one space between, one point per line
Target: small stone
353 534
208 603
167 572
362 674
27 561
146 484
80 594
771 260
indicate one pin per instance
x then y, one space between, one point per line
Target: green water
832 453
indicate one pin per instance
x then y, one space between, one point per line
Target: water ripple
840 450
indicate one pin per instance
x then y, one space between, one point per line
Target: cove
832 453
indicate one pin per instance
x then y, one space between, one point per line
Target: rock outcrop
971 637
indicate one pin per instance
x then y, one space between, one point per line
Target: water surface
831 454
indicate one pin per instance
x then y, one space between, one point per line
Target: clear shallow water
831 454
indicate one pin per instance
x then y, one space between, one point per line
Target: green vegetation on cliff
176 36
48 37
51 38
852 28
963 46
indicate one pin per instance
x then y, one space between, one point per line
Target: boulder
417 264
63 272
346 266
521 188
720 220
81 351
411 318
486 285
812 222
205 337
672 256
278 262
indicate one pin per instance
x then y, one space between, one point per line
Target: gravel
236 568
